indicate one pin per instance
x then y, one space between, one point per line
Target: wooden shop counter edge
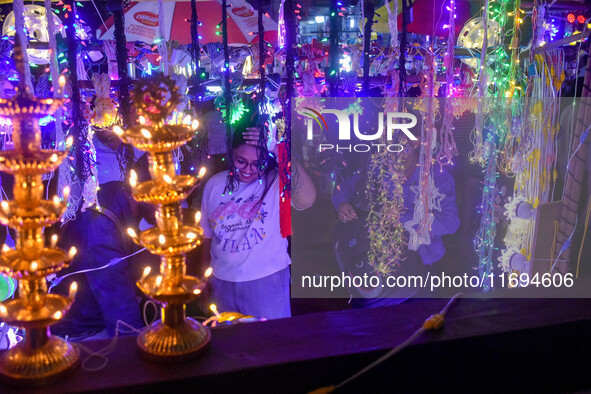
247 352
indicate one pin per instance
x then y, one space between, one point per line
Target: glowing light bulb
202 172
197 217
61 81
73 290
214 309
146 133
131 232
57 315
72 252
158 280
191 236
118 130
167 178
196 291
69 142
3 309
195 124
4 205
5 248
142 120
208 272
133 179
34 266
162 239
146 272
53 158
54 240
56 201
66 192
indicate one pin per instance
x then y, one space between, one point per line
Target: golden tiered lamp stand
40 358
175 337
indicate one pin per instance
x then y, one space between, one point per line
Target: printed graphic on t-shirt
235 216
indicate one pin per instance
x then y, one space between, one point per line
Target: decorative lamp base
182 342
53 361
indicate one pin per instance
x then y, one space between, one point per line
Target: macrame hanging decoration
428 198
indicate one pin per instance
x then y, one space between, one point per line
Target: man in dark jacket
106 295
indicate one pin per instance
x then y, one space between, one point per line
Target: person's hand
251 136
346 212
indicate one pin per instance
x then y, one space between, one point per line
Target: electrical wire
433 322
565 246
588 213
102 354
57 280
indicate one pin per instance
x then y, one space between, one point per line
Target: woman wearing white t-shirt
243 242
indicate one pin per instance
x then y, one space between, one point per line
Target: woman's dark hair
267 163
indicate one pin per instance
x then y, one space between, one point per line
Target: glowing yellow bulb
131 232
208 272
61 81
158 280
73 290
69 142
162 239
72 252
196 291
53 158
202 172
167 178
57 315
66 191
118 130
146 272
197 217
142 120
4 205
191 236
34 266
195 124
214 309
146 133
56 201
53 239
133 178
3 309
5 248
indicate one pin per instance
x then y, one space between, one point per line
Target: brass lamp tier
40 358
175 337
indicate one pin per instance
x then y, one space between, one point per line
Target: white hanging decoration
91 184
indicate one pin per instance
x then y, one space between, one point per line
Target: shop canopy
142 22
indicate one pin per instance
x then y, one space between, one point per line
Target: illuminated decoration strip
232 180
281 26
386 205
448 148
485 236
486 153
534 173
18 8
